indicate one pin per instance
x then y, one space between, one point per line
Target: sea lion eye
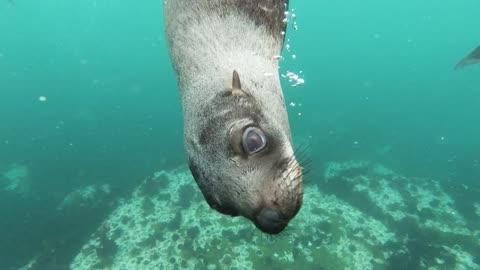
253 140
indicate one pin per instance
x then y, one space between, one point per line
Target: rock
419 211
362 216
16 179
89 197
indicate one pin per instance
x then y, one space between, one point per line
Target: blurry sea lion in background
472 58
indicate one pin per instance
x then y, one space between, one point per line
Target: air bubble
290 76
295 26
294 78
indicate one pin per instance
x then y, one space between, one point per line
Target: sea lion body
471 59
236 131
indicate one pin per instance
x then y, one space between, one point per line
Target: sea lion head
243 161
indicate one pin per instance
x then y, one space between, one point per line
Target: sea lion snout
270 221
281 202
275 218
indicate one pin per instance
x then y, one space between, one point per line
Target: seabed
361 215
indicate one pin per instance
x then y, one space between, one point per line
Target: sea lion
236 131
470 59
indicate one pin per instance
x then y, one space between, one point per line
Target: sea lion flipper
470 59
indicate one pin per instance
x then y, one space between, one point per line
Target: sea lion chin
236 135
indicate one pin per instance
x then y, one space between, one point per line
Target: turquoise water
88 95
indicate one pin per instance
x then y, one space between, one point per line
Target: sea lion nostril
269 221
269 214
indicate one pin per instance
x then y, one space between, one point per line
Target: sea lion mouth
226 210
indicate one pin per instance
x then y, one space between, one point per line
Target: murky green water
88 98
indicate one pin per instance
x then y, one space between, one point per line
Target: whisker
303 158
292 170
299 160
301 148
306 171
303 154
299 156
306 162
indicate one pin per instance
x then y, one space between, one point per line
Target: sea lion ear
236 85
236 81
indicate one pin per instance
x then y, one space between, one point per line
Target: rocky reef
16 179
88 196
431 229
360 215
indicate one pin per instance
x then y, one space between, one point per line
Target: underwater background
91 115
